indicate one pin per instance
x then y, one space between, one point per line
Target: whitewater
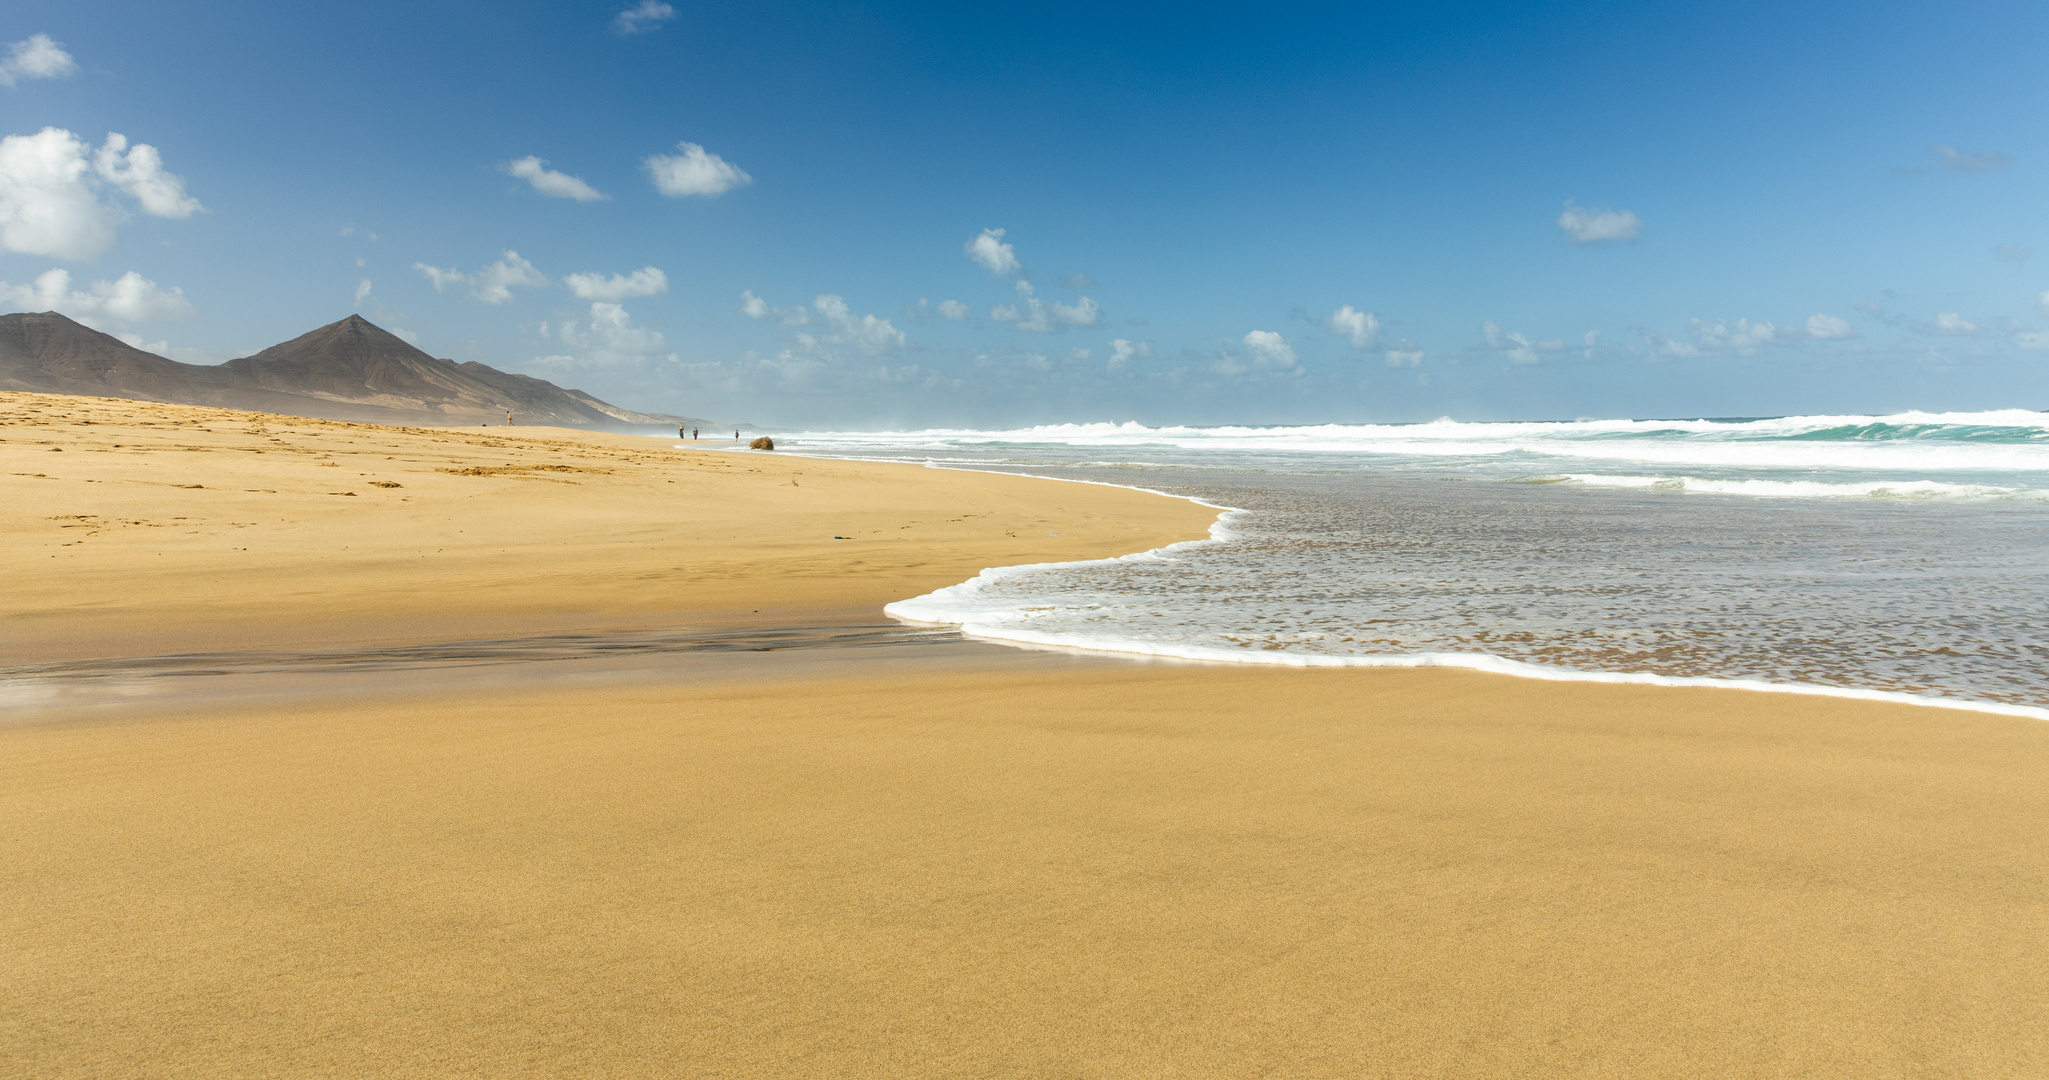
1899 557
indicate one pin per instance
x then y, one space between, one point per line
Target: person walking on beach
693 434
508 418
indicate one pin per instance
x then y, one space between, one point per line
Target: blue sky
1754 209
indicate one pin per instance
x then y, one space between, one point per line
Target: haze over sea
1899 554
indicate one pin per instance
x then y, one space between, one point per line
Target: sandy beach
134 529
944 861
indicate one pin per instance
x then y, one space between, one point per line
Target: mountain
349 370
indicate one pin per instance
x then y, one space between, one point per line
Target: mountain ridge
351 369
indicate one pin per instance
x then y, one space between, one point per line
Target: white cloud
646 281
50 193
1123 352
1825 327
923 309
1519 347
1949 322
1404 358
1270 350
130 298
1083 312
864 332
1031 316
648 15
694 171
1742 336
606 337
139 171
1034 314
990 253
1358 327
362 290
442 279
37 57
47 202
1970 163
754 307
1660 346
547 181
494 283
1584 226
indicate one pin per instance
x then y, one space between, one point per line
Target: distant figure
693 434
679 432
736 434
508 418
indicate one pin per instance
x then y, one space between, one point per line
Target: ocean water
1903 555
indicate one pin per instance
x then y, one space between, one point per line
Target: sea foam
1893 557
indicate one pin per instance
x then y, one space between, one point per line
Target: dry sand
1032 867
130 528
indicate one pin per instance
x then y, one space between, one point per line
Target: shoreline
928 610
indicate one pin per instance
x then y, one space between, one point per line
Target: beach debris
763 443
386 483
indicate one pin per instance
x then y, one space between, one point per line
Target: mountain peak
352 369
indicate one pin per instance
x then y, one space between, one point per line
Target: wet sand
966 860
